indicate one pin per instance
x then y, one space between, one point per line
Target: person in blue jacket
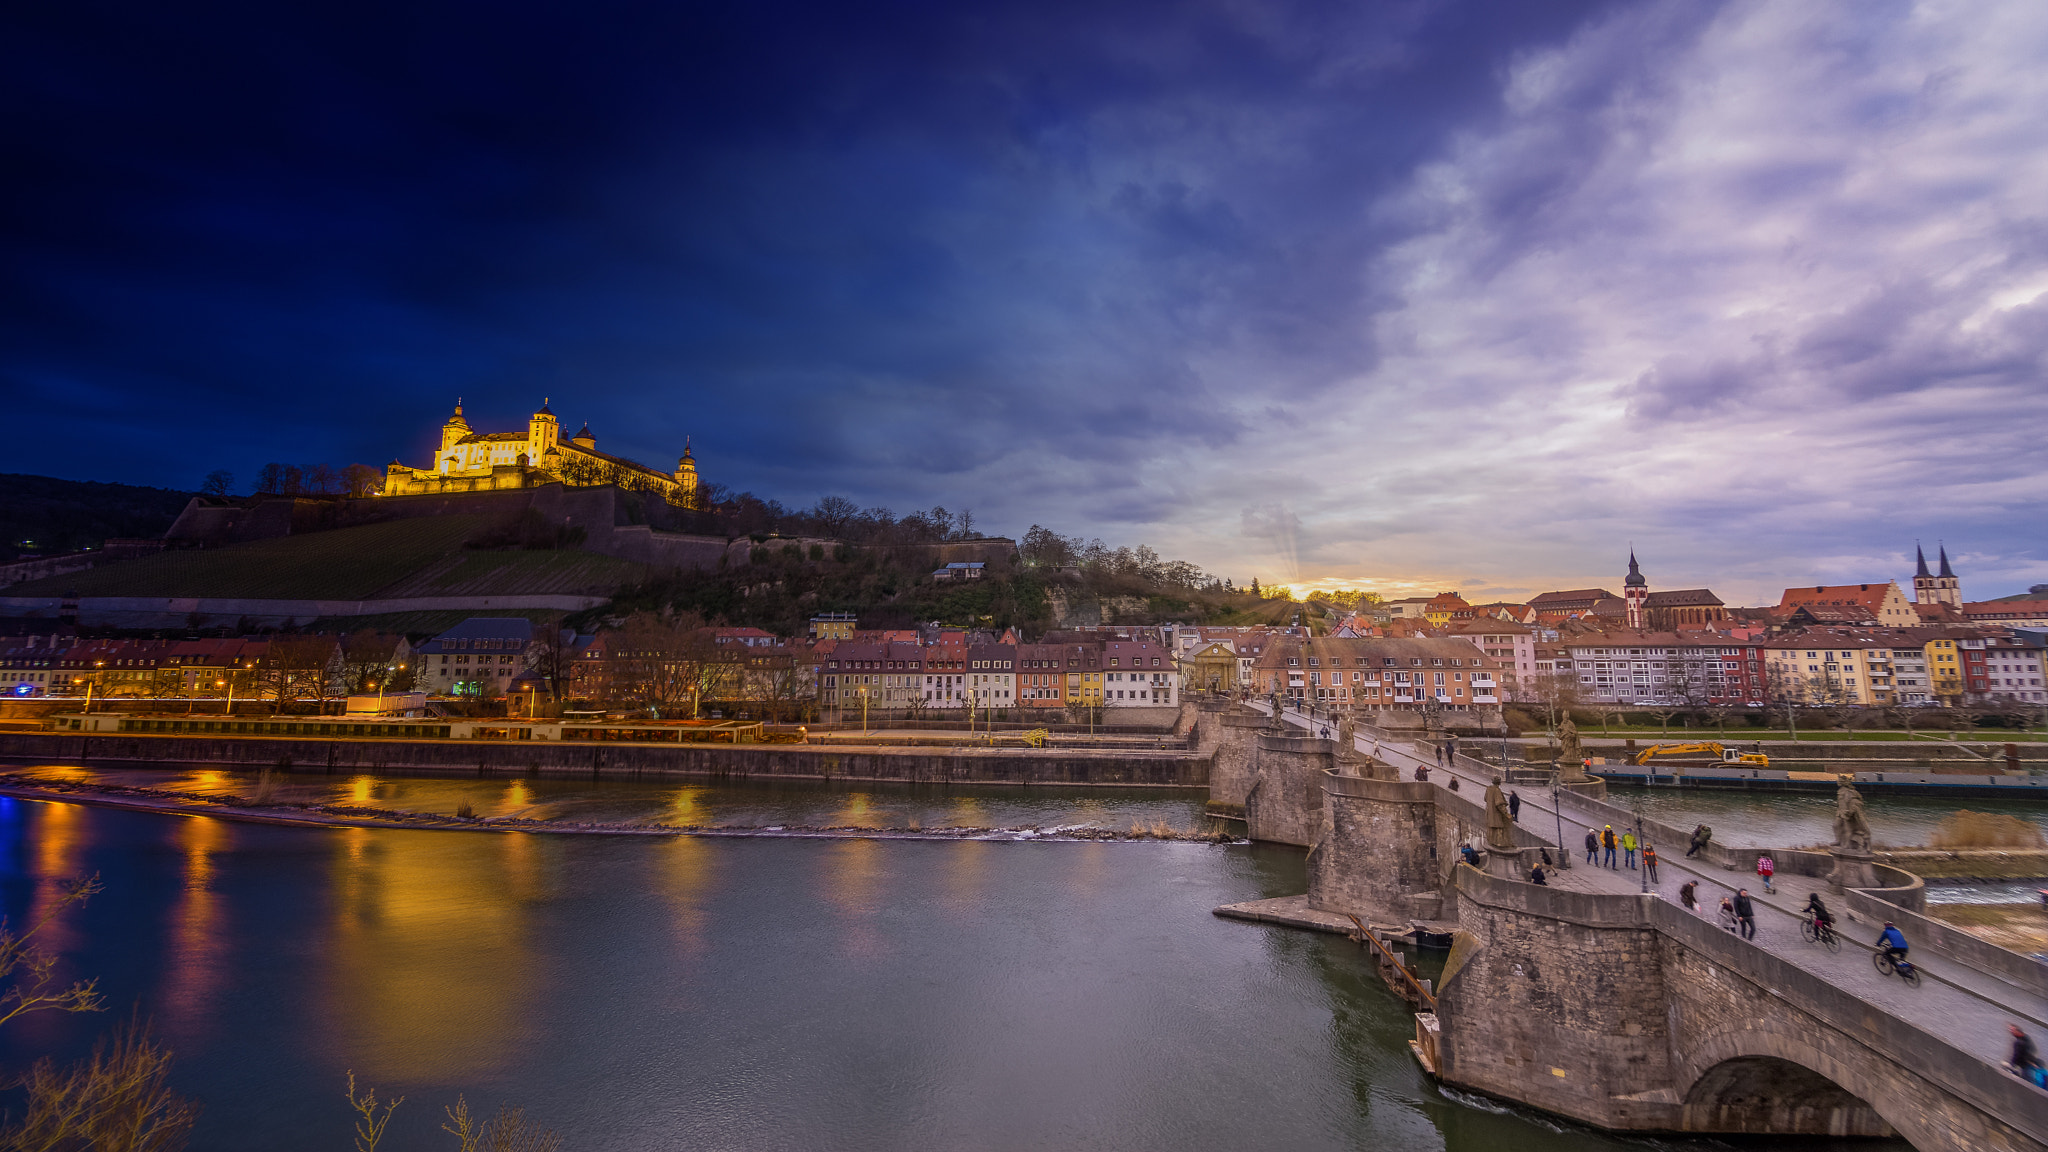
1893 942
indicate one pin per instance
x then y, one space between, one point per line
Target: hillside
420 557
61 516
780 591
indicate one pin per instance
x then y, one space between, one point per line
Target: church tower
1940 588
1636 590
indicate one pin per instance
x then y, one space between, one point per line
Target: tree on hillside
664 662
218 482
367 660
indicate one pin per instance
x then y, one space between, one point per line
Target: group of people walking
1606 841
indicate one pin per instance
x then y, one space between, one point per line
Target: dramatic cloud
1765 293
1422 294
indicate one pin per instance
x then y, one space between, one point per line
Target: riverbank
163 802
1078 767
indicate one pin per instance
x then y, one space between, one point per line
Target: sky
1407 296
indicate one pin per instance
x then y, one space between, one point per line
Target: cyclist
1815 908
1893 942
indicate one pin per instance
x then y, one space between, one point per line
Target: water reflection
428 978
199 936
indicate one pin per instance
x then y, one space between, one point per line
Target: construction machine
1728 755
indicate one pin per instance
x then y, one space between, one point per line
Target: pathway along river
759 993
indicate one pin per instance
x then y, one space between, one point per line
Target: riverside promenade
1963 1005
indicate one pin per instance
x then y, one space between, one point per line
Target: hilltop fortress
472 461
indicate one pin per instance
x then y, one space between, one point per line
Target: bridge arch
1768 1077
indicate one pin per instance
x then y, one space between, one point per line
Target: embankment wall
1086 767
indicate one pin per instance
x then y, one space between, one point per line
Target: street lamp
1564 852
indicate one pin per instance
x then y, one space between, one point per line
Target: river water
747 994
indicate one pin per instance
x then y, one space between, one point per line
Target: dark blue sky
1308 291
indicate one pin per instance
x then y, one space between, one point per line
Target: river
757 993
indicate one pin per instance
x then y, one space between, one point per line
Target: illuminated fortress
483 461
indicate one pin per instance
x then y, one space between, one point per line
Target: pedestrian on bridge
1688 896
1650 861
1439 755
1607 842
2025 1062
1700 836
1628 850
1765 869
1592 846
1745 913
1515 806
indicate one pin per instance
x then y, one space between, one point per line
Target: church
472 461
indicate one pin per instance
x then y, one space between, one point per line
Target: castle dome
456 421
544 410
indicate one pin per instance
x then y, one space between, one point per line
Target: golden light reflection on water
860 811
1088 868
431 979
198 939
59 839
686 878
690 808
965 875
517 799
362 789
965 812
853 876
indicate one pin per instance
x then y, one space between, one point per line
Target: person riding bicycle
1893 942
1822 918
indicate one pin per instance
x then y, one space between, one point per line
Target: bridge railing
1969 1078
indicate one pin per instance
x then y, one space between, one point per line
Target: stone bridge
1596 1000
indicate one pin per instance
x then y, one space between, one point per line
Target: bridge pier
1229 733
1378 858
1285 802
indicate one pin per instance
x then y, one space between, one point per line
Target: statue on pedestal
1852 828
1500 820
1571 756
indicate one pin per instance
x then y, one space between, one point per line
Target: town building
470 461
1138 672
1399 674
1445 607
2012 669
1835 666
1556 607
991 676
1041 676
1512 645
1692 668
834 626
478 657
1886 603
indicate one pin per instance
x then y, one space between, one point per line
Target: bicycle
1905 968
1819 932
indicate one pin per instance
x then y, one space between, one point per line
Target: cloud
1762 291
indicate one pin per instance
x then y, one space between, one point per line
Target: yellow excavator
1727 755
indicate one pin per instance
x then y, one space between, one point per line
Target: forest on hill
45 516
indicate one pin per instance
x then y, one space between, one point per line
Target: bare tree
218 482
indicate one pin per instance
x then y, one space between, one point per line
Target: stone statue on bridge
1500 820
1571 756
1852 828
